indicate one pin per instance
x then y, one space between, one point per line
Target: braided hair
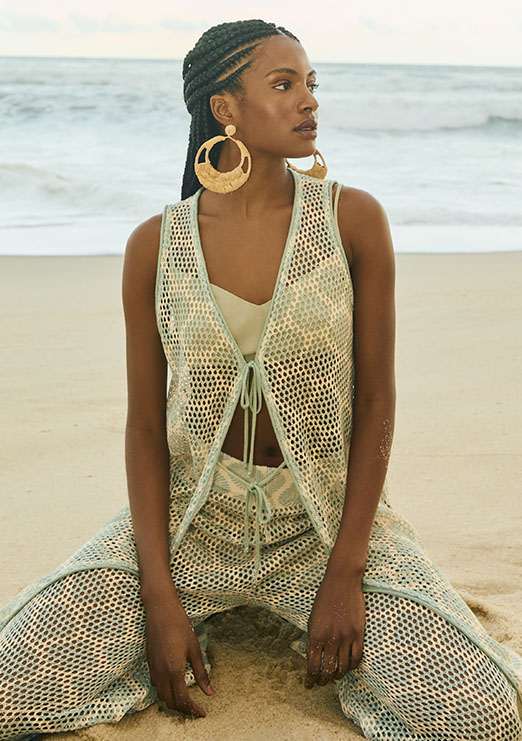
207 71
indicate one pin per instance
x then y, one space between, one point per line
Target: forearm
370 446
147 464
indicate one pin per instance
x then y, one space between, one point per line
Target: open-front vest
303 364
304 368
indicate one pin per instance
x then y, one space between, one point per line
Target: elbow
377 401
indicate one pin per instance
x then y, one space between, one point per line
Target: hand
335 627
170 642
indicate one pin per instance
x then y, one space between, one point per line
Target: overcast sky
393 31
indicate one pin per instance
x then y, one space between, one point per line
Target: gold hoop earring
317 170
222 182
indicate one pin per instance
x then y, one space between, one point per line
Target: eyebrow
289 71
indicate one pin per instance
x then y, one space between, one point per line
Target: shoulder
141 255
144 241
363 225
146 236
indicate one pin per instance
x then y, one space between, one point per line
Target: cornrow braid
210 67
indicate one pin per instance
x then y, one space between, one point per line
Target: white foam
89 144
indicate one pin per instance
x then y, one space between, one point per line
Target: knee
484 717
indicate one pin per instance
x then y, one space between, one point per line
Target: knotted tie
255 493
251 398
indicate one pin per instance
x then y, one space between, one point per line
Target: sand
455 470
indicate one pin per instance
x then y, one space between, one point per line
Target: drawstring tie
263 515
255 493
251 398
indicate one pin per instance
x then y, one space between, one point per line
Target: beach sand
455 470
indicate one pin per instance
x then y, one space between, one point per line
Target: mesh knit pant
74 655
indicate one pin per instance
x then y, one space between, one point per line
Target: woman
261 479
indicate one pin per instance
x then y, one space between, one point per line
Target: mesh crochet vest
304 357
304 360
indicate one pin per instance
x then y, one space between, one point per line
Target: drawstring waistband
263 509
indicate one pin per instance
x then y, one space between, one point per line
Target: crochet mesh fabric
304 361
72 643
74 654
304 364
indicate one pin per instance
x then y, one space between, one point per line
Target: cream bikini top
245 319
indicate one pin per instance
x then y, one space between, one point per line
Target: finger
314 656
356 656
200 673
343 660
164 692
329 661
182 700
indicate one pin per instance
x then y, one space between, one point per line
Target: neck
269 184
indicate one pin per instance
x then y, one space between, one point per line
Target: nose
309 101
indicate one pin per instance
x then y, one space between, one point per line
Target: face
275 102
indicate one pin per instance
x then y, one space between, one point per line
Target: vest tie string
251 398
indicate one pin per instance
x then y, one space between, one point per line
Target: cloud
384 29
162 29
109 23
28 23
77 22
180 24
34 23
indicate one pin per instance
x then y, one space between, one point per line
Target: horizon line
180 59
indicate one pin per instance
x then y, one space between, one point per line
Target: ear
223 109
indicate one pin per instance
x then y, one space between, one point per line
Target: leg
74 656
420 678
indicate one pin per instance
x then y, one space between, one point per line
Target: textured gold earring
222 182
317 170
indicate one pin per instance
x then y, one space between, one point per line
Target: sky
376 31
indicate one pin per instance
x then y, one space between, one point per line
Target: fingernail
210 688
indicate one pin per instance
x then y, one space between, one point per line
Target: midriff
245 321
266 446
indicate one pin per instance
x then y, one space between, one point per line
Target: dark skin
243 234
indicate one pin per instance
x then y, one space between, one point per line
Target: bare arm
170 638
146 450
337 620
363 225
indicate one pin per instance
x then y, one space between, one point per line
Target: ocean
89 148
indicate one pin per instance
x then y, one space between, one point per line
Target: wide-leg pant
74 655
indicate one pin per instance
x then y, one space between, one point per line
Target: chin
305 151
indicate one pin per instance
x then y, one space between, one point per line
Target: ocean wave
402 117
97 141
20 183
493 123
129 112
143 95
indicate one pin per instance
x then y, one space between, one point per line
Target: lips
309 125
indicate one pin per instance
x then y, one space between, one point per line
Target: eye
312 85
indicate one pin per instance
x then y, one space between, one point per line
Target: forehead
278 52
